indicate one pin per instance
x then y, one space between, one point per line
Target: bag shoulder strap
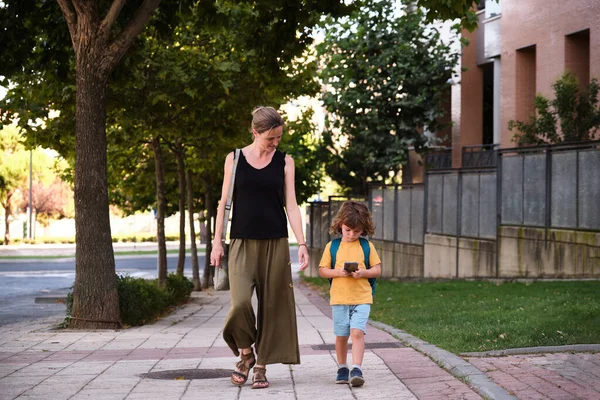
236 156
364 243
333 249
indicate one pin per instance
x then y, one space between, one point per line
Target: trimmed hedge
141 301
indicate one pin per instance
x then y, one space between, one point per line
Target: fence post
498 209
458 214
425 206
548 218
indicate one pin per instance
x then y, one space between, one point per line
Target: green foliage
302 144
482 316
385 76
179 288
572 116
141 301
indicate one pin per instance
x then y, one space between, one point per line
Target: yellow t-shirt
348 290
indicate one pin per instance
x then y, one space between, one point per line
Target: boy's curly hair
353 215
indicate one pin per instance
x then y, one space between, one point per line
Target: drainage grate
381 345
188 374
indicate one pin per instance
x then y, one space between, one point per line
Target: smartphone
351 266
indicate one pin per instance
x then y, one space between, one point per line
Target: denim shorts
350 317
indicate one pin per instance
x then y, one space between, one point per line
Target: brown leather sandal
259 380
244 368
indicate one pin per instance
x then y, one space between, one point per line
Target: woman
259 253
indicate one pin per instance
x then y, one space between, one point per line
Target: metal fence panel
589 189
324 234
512 190
534 190
377 211
404 214
470 205
435 184
450 206
309 222
416 215
334 207
488 223
564 190
315 231
389 221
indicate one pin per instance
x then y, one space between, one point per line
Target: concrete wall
399 260
476 257
525 253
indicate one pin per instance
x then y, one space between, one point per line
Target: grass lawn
464 316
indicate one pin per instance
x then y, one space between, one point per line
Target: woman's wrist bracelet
303 244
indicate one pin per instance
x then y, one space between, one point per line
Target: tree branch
110 18
71 18
123 41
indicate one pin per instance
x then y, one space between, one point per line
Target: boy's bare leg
358 346
341 349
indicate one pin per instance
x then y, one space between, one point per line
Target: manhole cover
188 374
381 345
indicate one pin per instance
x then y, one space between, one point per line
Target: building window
577 56
492 8
488 103
525 82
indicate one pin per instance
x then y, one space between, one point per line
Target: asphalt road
24 280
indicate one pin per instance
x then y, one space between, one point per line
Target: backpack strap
333 249
364 243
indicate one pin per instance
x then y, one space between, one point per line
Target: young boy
351 292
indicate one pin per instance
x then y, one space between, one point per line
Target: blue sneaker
356 379
342 375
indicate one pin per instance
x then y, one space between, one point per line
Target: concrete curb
452 363
578 348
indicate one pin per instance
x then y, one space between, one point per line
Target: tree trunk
208 269
202 221
194 250
95 297
161 205
182 193
6 223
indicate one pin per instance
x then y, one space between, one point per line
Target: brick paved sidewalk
37 362
545 376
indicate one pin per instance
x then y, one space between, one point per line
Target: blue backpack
364 243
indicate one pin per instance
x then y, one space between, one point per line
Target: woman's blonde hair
265 118
354 215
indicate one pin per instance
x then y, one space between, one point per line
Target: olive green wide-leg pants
263 265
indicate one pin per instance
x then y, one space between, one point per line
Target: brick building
520 49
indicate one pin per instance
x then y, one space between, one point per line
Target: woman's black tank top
258 200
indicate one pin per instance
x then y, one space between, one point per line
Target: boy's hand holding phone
351 266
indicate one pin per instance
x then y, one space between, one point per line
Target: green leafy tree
573 115
14 170
99 34
38 51
303 144
385 76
